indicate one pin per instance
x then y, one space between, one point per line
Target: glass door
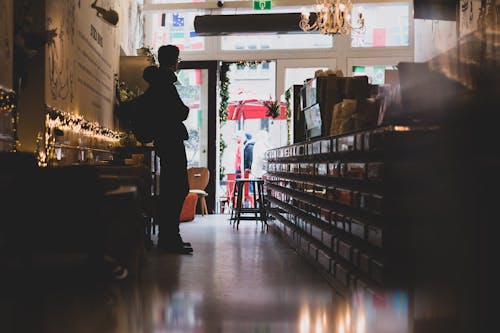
197 88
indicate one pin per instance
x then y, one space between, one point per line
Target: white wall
82 61
131 32
433 37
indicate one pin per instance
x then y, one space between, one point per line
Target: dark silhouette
137 114
170 134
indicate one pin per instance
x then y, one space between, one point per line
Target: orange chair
198 178
189 207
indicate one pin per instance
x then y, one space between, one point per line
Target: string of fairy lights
68 131
7 99
8 117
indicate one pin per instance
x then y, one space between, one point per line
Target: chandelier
332 17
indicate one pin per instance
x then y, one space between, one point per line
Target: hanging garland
149 53
249 63
223 92
74 132
288 95
223 114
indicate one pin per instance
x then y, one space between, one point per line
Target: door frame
211 66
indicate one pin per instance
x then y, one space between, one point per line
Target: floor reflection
66 295
237 281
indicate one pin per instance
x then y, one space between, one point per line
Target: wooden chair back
198 178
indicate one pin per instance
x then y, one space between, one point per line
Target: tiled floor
245 280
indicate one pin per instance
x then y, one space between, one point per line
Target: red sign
252 109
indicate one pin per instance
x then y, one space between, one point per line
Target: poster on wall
83 59
6 43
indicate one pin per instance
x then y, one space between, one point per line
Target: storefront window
376 74
177 1
276 42
192 86
252 80
176 28
273 41
387 24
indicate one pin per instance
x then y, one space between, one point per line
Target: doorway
250 85
197 83
250 82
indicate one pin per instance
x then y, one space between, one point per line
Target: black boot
175 245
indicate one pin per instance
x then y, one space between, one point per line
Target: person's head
168 56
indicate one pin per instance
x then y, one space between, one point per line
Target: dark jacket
169 110
248 155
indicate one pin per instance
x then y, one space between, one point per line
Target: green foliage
223 92
273 108
223 114
222 145
288 96
148 51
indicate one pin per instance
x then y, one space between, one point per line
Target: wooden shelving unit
345 202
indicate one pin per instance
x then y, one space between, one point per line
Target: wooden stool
257 211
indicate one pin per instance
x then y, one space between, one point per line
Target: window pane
179 1
193 90
276 42
176 28
387 24
376 74
252 80
299 75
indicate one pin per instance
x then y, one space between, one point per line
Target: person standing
248 152
169 136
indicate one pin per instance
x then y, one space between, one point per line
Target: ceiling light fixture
331 17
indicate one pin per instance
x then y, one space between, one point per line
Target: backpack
137 117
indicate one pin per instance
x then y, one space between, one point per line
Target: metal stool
240 211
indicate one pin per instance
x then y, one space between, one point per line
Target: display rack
345 203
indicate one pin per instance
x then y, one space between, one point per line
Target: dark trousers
174 187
